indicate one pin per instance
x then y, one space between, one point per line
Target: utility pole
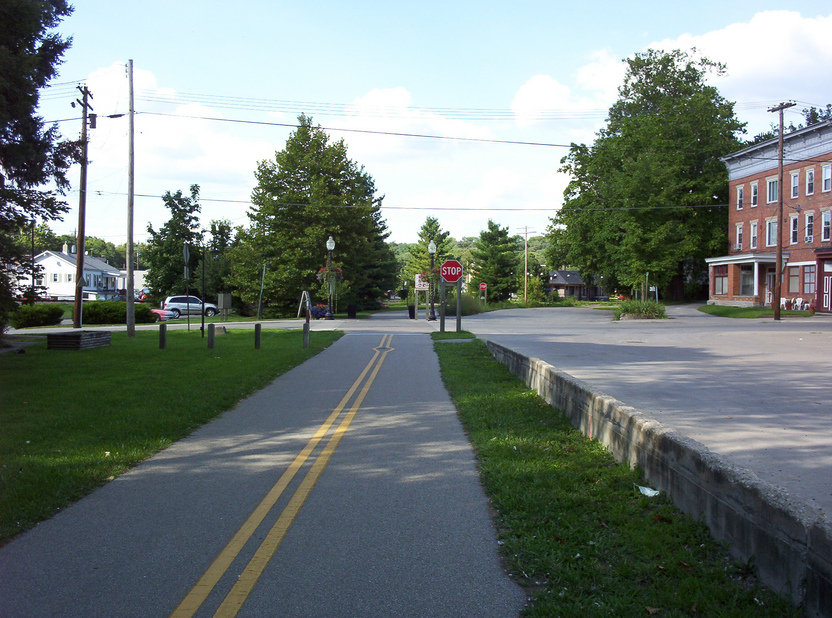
82 206
526 264
778 273
128 293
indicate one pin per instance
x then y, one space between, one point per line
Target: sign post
451 272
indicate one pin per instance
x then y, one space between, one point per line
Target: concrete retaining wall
789 540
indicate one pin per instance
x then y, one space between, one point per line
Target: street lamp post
432 251
330 247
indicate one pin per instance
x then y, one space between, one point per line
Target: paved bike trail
395 523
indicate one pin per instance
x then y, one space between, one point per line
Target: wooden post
163 336
257 330
211 329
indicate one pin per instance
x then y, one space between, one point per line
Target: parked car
182 305
162 314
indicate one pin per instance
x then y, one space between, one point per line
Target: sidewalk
396 523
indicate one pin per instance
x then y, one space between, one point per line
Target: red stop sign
451 271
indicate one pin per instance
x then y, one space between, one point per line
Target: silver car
183 305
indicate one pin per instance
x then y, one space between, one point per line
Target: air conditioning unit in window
809 239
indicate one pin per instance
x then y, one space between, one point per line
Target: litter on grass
650 493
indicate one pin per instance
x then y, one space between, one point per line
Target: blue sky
432 69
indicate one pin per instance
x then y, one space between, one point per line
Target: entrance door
826 299
771 280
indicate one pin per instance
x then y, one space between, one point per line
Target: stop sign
451 271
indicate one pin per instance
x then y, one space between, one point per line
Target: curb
788 539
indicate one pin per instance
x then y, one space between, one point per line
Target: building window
771 191
753 234
721 279
794 279
793 229
746 280
54 277
69 277
771 233
810 181
795 184
754 193
739 237
826 225
826 177
740 191
808 279
810 227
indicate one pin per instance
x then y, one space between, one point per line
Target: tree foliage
164 254
649 194
495 256
310 191
31 155
419 259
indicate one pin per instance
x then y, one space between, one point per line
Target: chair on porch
784 303
797 303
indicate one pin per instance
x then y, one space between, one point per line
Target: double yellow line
254 569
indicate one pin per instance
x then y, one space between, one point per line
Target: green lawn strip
72 419
724 311
463 334
575 530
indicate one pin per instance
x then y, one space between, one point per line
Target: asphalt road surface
345 488
756 391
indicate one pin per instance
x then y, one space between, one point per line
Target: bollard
211 330
163 335
257 329
306 335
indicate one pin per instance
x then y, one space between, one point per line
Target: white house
58 276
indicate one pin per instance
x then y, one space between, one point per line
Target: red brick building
746 276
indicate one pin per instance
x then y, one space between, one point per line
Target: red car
162 314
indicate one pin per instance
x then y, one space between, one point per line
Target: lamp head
330 244
431 247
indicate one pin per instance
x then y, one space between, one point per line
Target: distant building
570 283
746 275
58 276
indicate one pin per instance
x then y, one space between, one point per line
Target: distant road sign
483 285
421 284
451 271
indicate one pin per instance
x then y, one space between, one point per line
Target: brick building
746 276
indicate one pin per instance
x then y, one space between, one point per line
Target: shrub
37 315
566 301
115 312
643 309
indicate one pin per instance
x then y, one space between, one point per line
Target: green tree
495 256
419 258
310 191
31 155
164 255
649 194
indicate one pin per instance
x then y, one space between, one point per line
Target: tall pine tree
496 261
310 191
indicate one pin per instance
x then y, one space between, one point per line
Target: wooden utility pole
778 272
128 293
82 208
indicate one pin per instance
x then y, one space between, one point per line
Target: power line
428 208
368 131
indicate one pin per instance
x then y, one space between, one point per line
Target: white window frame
740 196
794 228
809 227
753 239
755 194
772 193
771 232
739 236
809 283
810 181
795 184
826 225
826 177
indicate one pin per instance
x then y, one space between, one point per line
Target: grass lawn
575 531
71 420
451 334
724 311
